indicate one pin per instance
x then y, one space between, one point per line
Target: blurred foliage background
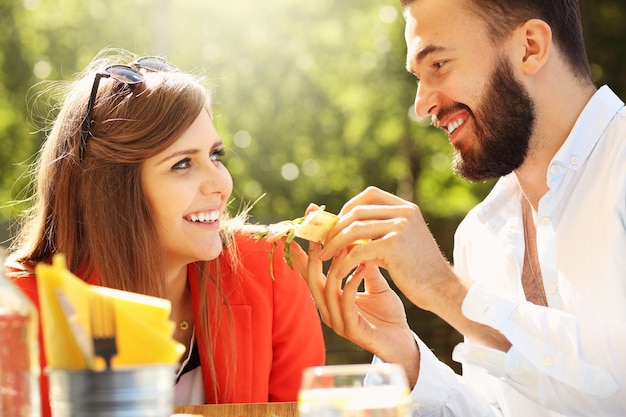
312 100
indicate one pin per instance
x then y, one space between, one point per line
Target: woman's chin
211 251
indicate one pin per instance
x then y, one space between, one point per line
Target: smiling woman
132 189
187 188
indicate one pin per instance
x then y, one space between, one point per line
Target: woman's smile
206 217
188 188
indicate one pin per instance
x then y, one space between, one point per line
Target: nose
427 100
217 180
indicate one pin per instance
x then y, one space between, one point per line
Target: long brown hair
94 210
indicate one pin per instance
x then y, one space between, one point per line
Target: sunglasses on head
127 74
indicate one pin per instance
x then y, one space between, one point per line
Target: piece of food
314 227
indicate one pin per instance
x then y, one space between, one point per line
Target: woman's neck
177 286
182 311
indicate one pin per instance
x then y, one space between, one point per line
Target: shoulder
19 274
496 206
260 261
247 250
23 278
244 252
248 245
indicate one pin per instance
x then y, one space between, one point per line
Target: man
538 286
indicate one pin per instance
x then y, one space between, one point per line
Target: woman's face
187 188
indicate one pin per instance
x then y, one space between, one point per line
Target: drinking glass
359 390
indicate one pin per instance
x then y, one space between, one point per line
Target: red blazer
277 329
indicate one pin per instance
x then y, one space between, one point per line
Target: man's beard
501 144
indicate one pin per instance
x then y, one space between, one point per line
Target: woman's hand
374 319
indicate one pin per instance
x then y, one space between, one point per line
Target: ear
536 41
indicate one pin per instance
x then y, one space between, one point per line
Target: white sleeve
569 366
440 392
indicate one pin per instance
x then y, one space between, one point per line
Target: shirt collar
590 125
504 192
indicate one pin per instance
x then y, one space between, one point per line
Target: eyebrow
184 152
423 53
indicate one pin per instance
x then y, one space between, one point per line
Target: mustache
446 110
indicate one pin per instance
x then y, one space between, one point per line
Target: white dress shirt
568 359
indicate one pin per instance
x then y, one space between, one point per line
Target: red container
15 366
19 353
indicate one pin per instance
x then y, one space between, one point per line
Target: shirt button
552 288
545 220
548 361
554 169
574 160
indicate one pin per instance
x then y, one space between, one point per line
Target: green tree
16 78
311 98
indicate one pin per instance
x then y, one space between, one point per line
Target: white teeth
455 125
205 217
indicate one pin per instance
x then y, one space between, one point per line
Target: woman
131 188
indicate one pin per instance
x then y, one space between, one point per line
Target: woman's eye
439 64
217 155
182 164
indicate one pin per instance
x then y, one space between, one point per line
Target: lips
451 121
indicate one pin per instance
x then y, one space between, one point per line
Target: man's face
468 88
503 121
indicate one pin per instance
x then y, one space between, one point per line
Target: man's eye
182 164
218 154
439 64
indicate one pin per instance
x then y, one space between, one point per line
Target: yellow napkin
143 329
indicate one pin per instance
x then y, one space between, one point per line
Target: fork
102 320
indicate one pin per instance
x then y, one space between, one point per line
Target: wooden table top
240 410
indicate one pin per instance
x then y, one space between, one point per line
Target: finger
370 196
375 282
338 265
365 197
358 231
316 280
356 255
311 207
348 300
332 296
299 257
369 223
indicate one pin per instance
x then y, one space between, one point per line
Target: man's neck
557 109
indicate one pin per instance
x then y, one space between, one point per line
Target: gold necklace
525 209
185 324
